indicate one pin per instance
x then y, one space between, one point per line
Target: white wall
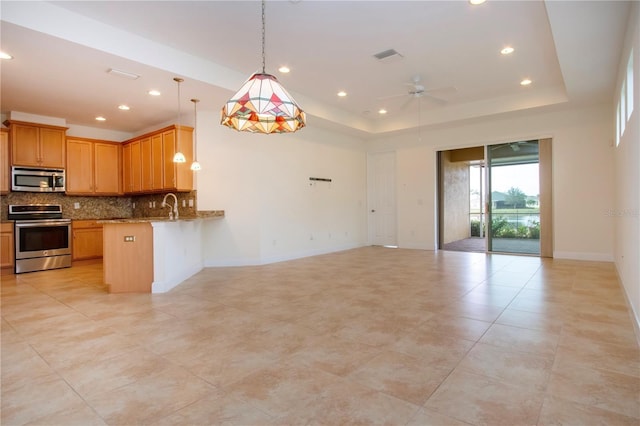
625 213
582 167
272 211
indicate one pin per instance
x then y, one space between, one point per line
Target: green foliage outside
501 228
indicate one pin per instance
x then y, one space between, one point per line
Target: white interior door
381 170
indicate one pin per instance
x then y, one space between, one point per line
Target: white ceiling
63 49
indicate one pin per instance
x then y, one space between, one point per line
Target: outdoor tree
515 198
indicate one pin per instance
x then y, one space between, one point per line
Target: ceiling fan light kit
262 105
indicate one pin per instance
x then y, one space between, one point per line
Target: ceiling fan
416 90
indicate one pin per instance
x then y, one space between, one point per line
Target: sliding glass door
513 197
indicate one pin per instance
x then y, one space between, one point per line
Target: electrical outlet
134 205
154 204
190 202
150 204
184 203
76 205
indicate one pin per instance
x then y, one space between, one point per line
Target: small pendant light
262 105
195 166
178 157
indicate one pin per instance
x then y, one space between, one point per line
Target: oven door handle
41 224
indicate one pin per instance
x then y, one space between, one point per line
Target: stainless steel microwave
37 179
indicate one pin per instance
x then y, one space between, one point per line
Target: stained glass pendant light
195 166
262 105
178 157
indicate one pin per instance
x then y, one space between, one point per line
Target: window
618 118
625 100
623 104
629 84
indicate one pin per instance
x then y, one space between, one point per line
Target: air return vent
387 55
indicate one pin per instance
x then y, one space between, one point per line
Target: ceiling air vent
124 74
388 55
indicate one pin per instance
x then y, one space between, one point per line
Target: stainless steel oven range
42 237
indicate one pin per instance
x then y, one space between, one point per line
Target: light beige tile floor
366 336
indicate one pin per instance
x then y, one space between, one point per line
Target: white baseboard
573 255
635 316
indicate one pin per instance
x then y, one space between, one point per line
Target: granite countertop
203 214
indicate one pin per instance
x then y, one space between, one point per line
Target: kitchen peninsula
152 255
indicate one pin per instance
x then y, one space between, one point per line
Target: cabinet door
6 245
146 165
157 165
79 174
136 167
127 181
169 169
106 168
5 165
25 146
87 243
184 174
52 147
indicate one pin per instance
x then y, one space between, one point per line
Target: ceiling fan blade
442 91
408 102
435 99
382 98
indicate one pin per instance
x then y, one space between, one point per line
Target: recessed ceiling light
342 93
100 118
4 55
284 69
382 111
476 2
525 82
154 92
124 107
507 50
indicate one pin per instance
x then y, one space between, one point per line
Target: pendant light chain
263 38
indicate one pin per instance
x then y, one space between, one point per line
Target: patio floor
502 245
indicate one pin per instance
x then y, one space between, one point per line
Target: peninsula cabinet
5 165
37 145
148 165
93 167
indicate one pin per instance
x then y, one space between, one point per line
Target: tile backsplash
102 207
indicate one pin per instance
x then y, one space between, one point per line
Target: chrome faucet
173 214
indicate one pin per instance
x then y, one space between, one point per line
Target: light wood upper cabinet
156 162
136 166
147 165
148 161
93 167
5 163
127 181
107 161
79 174
37 145
178 176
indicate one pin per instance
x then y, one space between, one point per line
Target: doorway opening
490 198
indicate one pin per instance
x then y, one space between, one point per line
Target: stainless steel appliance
42 237
33 179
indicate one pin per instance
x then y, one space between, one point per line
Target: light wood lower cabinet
87 239
7 255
